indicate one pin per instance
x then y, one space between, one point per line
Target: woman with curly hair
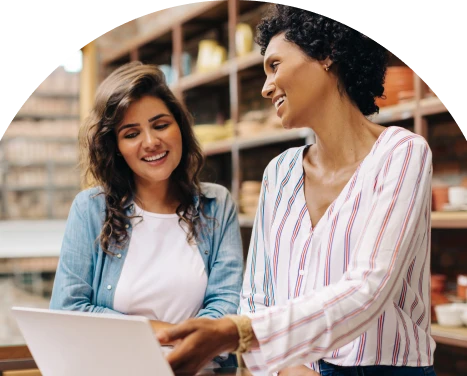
337 276
151 239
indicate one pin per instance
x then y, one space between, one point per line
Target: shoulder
91 199
212 191
397 142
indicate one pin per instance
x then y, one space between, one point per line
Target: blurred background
207 53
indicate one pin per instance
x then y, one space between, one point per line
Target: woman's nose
151 140
267 89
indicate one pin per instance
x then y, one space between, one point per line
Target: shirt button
206 252
109 287
119 255
301 272
127 226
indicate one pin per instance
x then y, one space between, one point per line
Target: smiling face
298 85
150 141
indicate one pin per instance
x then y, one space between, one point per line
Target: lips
155 157
278 102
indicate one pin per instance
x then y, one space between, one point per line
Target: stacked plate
249 197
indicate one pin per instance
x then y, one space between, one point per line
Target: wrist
230 334
245 335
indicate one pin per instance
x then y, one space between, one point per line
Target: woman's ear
326 63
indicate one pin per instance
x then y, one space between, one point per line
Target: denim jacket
87 277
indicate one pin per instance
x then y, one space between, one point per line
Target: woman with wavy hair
150 239
338 272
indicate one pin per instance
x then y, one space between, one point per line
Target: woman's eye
274 66
161 126
131 135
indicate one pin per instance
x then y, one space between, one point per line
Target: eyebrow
154 118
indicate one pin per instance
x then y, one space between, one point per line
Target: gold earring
326 68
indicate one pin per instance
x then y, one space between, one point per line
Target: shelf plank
62 140
198 79
140 40
449 220
438 220
404 111
246 221
250 60
30 188
261 139
20 238
449 336
203 78
10 164
25 115
56 95
273 137
218 147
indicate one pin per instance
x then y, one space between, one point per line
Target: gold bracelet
245 332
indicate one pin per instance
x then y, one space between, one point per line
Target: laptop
92 344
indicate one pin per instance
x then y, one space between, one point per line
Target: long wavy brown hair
102 166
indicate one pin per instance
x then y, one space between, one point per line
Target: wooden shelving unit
449 336
449 220
415 113
37 170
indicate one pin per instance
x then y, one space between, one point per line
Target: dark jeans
327 369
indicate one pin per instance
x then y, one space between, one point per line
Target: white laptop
65 343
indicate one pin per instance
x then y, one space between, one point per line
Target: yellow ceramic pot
243 39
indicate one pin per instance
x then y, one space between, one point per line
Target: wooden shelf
261 139
449 336
193 80
404 111
199 79
55 95
62 140
273 137
27 188
438 220
449 220
246 221
218 147
140 40
26 115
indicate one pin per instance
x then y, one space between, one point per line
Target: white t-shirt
164 277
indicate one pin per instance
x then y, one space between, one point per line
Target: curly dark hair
99 150
358 61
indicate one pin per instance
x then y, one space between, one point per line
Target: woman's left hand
202 340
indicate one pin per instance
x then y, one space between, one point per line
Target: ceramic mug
456 195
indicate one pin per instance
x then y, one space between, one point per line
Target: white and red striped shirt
354 289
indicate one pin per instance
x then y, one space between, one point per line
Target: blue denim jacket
87 277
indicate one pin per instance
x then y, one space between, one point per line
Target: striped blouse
354 289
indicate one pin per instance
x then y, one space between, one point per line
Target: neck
155 197
343 134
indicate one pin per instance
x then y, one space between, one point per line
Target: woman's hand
157 326
298 371
201 340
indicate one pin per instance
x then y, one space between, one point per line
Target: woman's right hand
158 326
298 371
